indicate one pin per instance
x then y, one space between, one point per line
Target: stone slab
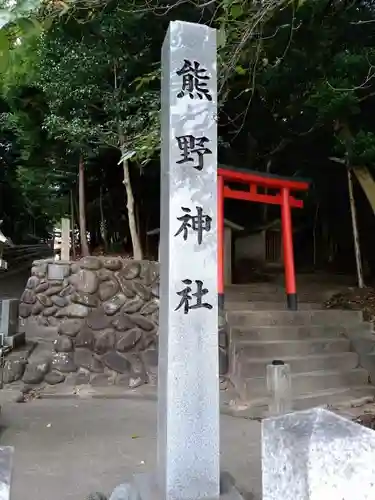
13 341
145 487
315 455
58 271
6 458
9 316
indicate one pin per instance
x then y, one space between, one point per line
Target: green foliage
82 78
98 92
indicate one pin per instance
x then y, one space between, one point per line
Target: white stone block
278 378
6 458
317 455
58 271
9 317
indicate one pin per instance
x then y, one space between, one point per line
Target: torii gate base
283 197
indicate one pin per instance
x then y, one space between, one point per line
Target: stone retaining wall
102 313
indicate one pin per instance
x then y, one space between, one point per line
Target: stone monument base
145 487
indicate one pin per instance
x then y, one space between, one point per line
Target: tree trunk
314 235
82 209
367 183
265 205
357 248
136 242
103 228
72 225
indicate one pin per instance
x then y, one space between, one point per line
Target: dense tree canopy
80 82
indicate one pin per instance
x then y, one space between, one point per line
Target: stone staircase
318 344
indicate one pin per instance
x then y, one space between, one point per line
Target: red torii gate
284 198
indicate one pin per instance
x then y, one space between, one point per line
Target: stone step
267 306
277 294
296 318
335 397
342 361
272 286
279 297
304 383
297 332
331 398
277 349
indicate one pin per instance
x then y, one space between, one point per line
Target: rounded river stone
39 270
149 307
142 291
54 290
104 274
60 301
63 343
53 321
150 273
83 357
114 304
138 374
101 380
74 268
37 308
70 327
127 340
28 297
50 311
112 263
63 362
32 282
104 341
13 370
73 311
85 338
84 298
122 322
92 263
86 359
132 306
24 310
42 287
85 281
34 372
67 290
136 363
108 289
116 362
142 322
42 321
96 365
98 320
155 290
126 285
131 270
54 378
150 359
122 379
44 300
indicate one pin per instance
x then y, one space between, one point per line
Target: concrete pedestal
145 487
